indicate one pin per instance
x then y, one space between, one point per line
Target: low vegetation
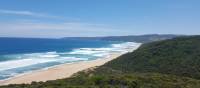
179 56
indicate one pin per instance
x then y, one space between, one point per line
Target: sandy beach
63 70
58 72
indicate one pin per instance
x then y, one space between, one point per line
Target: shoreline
63 70
59 71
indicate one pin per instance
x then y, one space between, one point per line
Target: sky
77 18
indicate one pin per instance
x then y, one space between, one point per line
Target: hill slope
131 38
179 56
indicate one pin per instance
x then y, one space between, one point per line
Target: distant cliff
131 38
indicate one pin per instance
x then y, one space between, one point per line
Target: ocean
21 55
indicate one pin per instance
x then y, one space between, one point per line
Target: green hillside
179 56
173 63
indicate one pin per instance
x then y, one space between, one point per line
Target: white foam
49 56
88 51
72 59
99 52
43 55
21 63
37 58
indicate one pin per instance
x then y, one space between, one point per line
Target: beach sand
58 72
64 70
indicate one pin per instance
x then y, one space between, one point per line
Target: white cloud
55 30
27 13
37 28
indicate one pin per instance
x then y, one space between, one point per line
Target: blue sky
62 18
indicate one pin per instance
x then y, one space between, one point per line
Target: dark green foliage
179 56
136 80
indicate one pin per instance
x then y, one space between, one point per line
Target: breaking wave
12 67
